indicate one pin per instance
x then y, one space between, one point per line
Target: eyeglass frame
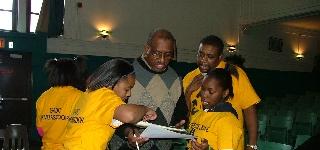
158 55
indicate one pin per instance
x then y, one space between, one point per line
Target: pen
134 135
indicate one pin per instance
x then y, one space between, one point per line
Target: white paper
154 131
146 124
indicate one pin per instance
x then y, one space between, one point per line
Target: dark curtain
51 18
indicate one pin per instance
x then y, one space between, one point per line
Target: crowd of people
100 111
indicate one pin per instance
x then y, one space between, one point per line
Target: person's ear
146 49
220 57
226 93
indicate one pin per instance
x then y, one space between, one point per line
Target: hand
192 87
180 124
150 115
195 84
132 140
196 146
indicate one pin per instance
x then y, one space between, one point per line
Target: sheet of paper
146 124
154 131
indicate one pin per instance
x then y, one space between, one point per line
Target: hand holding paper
134 137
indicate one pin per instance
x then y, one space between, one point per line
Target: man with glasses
157 86
245 98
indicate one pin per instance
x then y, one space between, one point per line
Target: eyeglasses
158 55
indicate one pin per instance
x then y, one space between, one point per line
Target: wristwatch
255 147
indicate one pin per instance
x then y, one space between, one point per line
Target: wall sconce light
231 48
299 56
104 33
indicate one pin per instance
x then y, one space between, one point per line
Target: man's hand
132 140
150 115
180 124
195 83
192 87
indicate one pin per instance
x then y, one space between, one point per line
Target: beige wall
263 15
253 11
131 21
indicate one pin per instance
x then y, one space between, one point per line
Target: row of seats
267 145
301 102
292 106
290 113
262 145
283 127
15 136
287 122
308 98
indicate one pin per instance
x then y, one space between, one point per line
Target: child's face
211 93
124 86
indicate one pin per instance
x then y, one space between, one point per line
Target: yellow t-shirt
53 109
221 129
91 125
244 94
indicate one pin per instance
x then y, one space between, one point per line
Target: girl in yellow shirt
65 77
216 127
101 109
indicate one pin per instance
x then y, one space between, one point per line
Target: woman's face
124 86
212 93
